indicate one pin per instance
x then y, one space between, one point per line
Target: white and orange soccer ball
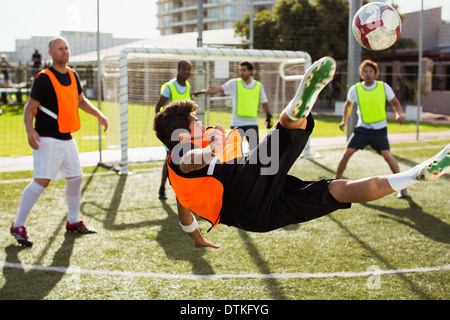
376 26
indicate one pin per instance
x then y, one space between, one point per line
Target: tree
319 27
265 24
333 17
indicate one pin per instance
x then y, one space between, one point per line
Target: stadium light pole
353 61
419 77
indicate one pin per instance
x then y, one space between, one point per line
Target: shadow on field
36 283
258 260
178 245
415 288
109 220
111 211
425 223
175 243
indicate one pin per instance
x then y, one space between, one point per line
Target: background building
400 70
80 42
180 16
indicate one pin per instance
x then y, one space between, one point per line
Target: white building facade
180 16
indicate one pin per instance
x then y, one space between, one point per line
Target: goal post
136 75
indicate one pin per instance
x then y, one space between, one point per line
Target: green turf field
386 249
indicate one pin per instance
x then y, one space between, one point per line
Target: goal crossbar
207 54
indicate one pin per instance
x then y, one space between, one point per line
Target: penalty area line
295 275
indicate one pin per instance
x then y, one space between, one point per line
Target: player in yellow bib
247 95
370 97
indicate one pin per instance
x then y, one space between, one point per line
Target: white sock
73 199
402 180
29 198
288 110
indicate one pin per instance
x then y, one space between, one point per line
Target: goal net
132 83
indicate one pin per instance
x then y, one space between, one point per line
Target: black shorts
362 137
262 200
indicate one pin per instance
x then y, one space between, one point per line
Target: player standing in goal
247 196
247 94
370 97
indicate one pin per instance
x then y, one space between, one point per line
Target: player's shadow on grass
429 222
415 218
386 261
258 260
423 222
35 284
110 212
170 237
179 246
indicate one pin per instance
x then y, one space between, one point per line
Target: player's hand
198 93
103 121
342 125
269 121
205 244
399 119
217 140
34 139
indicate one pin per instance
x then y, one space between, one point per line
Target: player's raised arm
197 159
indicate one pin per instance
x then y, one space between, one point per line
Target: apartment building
180 16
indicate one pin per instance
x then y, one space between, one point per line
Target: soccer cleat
434 167
79 227
162 193
402 194
315 79
20 233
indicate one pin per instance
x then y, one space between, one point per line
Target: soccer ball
376 26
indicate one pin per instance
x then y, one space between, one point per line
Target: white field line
296 275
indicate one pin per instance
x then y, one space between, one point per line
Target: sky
22 19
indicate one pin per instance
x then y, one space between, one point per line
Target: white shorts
56 159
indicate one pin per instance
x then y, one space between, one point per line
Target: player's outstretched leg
315 79
369 189
428 170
